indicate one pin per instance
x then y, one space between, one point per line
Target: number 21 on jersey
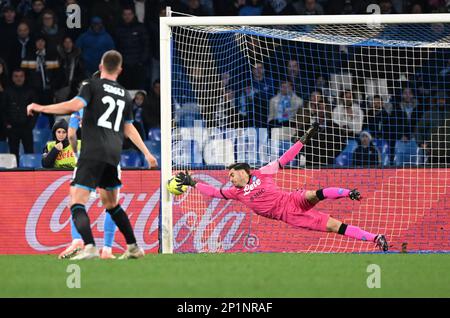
103 121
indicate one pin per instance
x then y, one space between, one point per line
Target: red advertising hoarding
411 206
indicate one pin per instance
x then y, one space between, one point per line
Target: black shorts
91 174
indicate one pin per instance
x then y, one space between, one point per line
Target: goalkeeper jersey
261 195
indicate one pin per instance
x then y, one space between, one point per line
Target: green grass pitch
230 275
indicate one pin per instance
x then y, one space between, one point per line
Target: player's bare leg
355 232
79 198
110 202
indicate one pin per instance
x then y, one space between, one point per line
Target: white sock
77 241
107 249
89 246
132 246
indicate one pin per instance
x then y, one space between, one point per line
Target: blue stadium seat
4 147
42 122
405 153
40 138
343 160
186 115
346 156
383 146
130 159
155 148
154 134
30 160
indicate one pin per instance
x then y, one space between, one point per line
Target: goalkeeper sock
82 223
332 193
356 233
123 223
109 228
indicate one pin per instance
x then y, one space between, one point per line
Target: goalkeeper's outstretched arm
184 178
291 153
288 156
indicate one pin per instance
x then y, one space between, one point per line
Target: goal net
245 93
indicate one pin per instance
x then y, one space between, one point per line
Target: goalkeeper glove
184 178
311 132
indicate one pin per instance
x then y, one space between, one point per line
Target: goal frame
166 219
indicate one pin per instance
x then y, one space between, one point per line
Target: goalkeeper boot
133 251
381 242
355 195
107 253
73 249
311 132
89 252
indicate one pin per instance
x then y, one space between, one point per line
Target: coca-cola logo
210 226
57 222
213 229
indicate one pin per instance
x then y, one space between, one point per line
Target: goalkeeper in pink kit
258 191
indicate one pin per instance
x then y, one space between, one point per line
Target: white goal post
166 25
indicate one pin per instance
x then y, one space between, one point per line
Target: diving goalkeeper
258 191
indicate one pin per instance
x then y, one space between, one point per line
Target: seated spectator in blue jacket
262 84
366 155
93 43
405 116
377 118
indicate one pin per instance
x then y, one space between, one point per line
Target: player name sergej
114 90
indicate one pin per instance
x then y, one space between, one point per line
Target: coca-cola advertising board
35 219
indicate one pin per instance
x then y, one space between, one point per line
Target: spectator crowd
43 60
